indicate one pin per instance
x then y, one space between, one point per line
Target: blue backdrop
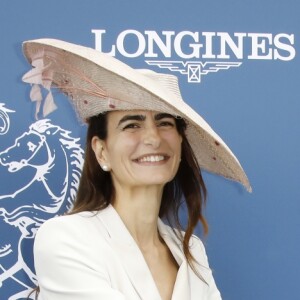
238 65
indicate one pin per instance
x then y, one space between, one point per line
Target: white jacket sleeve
66 267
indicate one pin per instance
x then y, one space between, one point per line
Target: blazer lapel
188 285
130 255
182 284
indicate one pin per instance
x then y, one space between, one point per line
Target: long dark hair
96 190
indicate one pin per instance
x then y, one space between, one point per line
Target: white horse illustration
41 170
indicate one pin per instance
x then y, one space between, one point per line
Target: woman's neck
139 209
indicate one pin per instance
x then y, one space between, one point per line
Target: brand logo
197 53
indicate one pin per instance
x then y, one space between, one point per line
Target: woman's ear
99 149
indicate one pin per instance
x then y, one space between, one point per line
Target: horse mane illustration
4 119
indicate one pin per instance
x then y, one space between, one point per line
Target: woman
143 152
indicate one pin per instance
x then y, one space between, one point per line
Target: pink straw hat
96 83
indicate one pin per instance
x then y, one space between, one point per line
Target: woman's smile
152 159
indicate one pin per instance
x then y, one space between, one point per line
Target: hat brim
96 83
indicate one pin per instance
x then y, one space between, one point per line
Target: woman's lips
152 158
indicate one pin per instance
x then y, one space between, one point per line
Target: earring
105 168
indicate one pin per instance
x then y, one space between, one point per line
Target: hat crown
168 82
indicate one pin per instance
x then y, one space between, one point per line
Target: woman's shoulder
178 235
81 235
67 221
196 245
77 226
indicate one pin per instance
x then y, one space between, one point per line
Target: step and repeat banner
238 66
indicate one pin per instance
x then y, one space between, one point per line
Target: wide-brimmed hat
96 83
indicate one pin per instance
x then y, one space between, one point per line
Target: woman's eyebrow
132 118
160 116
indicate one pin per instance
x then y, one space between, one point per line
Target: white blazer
92 256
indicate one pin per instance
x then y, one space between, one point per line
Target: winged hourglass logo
193 69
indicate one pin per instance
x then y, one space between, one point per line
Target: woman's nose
152 136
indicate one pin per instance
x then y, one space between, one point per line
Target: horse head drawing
43 166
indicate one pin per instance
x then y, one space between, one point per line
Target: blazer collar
133 260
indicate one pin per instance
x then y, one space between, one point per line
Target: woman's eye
166 124
131 126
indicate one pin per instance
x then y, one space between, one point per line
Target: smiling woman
144 151
142 148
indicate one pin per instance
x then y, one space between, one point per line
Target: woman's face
142 148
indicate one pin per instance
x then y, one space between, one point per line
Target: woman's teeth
152 158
